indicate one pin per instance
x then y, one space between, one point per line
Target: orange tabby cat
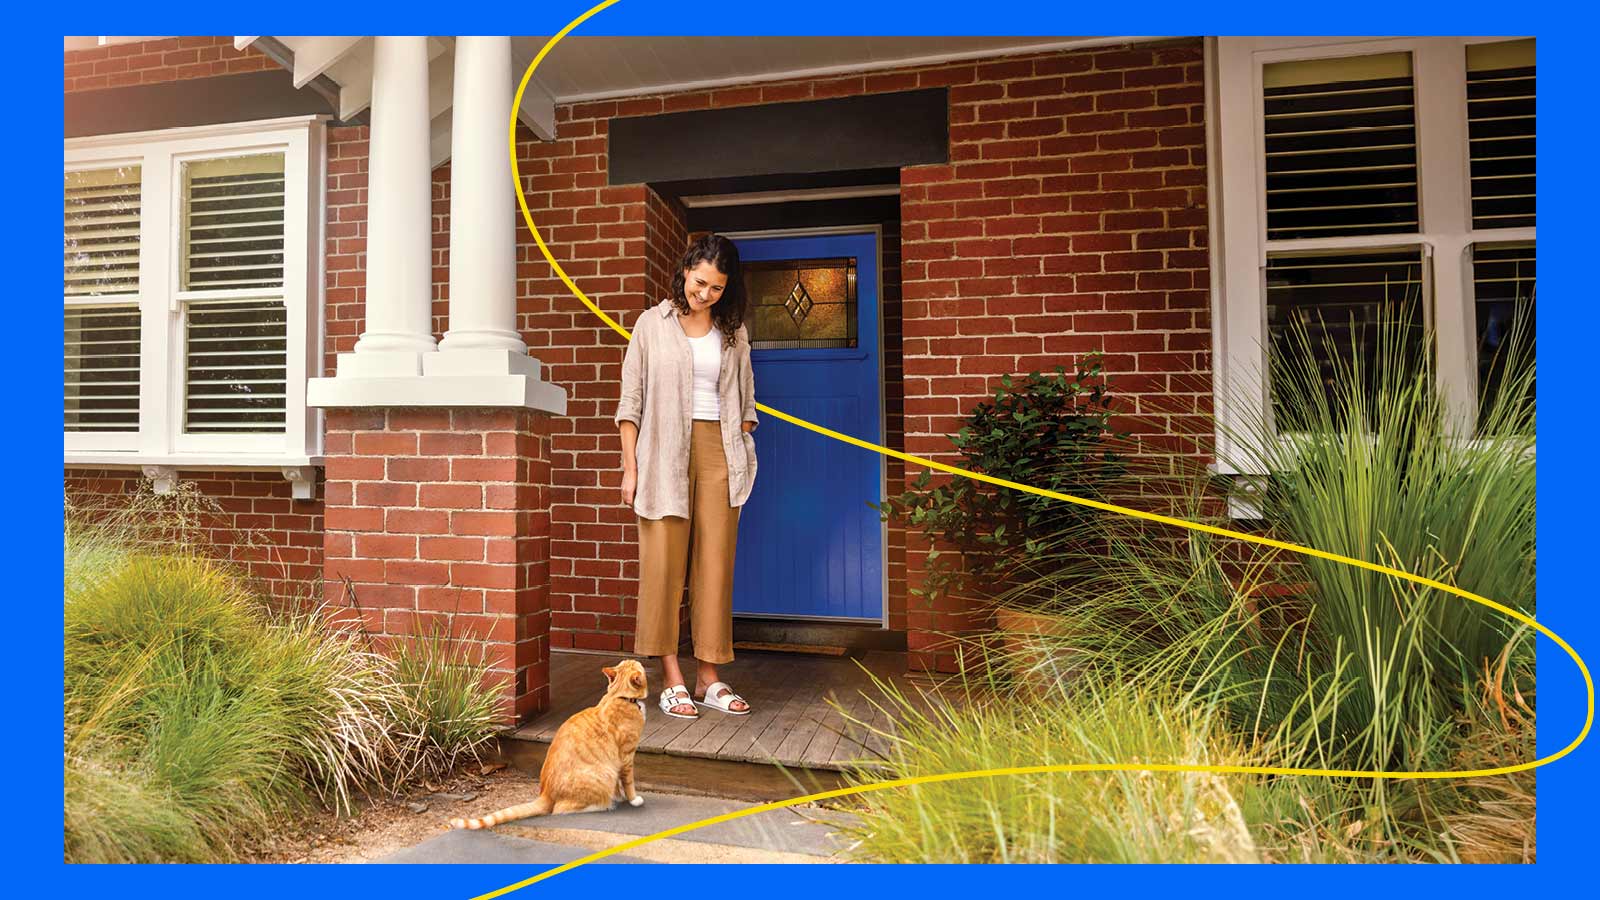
590 762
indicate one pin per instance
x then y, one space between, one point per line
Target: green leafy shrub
1051 432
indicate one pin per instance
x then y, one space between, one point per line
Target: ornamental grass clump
1120 817
1369 460
197 717
1265 655
450 712
211 718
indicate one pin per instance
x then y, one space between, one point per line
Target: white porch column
399 315
482 361
483 336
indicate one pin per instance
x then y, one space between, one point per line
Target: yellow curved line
1588 722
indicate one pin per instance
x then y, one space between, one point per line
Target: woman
688 462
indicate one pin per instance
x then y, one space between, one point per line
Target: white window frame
1236 145
161 440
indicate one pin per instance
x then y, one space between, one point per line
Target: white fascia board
314 55
537 109
439 138
855 68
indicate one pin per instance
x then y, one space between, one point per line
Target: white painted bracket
303 479
163 479
1245 496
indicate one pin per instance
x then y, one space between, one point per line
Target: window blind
1503 280
1501 133
1341 146
233 223
102 232
1341 300
102 368
236 348
101 260
235 366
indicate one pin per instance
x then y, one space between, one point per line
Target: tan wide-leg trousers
704 545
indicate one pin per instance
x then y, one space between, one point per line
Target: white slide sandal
677 696
722 702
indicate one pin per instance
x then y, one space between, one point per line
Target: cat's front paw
638 800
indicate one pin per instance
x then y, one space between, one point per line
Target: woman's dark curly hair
728 313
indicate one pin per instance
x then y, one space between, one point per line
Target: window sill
163 470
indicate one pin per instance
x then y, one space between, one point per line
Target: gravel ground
384 825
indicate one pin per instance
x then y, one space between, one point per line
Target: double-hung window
1354 179
192 265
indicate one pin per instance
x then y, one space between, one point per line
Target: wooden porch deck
791 722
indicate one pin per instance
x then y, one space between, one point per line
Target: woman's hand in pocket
630 481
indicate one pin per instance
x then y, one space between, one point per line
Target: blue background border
1566 790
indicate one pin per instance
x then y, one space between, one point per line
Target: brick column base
438 517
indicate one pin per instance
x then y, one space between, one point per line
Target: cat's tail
539 807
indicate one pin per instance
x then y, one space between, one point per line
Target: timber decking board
777 742
790 721
766 692
850 748
830 725
758 690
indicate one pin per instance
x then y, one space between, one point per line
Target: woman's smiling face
703 285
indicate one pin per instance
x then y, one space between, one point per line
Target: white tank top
707 366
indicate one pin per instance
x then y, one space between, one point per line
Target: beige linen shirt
658 397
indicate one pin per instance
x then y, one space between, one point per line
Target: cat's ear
638 680
610 673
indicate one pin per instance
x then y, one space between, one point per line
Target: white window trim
160 440
1236 183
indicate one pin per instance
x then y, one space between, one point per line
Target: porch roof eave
581 70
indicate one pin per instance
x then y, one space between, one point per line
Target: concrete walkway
776 836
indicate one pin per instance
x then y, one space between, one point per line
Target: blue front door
809 545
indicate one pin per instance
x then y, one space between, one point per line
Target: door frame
883 411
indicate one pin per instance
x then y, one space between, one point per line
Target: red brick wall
1070 218
438 517
894 402
665 241
603 238
250 518
149 62
345 281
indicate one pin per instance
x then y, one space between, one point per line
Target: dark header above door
909 128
